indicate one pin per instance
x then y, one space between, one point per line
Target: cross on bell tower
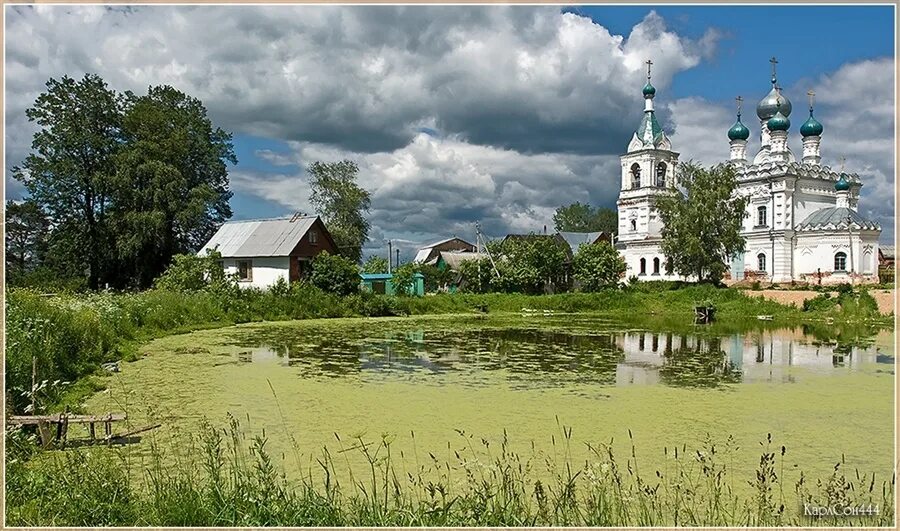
774 62
649 63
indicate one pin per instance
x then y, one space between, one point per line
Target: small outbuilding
262 251
383 283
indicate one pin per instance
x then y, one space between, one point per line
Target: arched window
761 217
661 175
633 225
635 175
761 262
643 266
656 266
840 261
670 268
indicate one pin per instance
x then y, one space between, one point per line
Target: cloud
362 78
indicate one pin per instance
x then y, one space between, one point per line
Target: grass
234 481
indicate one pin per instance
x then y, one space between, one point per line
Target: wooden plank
61 417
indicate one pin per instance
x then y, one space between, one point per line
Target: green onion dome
778 122
842 184
738 131
811 127
649 90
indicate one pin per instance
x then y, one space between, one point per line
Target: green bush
190 273
335 274
598 266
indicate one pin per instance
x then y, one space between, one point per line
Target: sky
458 114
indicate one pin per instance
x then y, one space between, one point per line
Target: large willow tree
702 221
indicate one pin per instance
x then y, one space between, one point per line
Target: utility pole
397 263
389 257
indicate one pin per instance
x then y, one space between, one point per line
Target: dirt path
884 297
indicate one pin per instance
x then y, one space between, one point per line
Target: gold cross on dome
649 63
812 98
774 62
739 101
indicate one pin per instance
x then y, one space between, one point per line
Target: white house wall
266 270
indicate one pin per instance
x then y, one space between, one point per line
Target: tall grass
232 481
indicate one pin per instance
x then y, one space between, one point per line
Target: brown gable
325 242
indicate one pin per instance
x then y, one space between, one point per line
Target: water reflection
532 356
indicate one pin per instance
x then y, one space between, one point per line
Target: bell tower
648 170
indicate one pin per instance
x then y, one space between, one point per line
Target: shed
576 239
262 251
382 283
886 255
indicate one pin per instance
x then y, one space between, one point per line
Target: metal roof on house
575 239
424 252
887 251
835 218
260 237
453 260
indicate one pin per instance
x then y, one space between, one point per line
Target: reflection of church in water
762 356
801 222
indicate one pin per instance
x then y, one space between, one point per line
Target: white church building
801 223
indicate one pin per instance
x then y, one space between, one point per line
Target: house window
656 266
313 237
661 175
761 262
635 175
761 217
643 266
245 270
221 263
840 261
633 225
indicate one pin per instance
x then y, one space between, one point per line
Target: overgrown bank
235 482
68 336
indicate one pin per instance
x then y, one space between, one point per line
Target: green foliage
126 181
598 266
579 217
334 274
170 188
375 264
532 264
191 272
69 172
404 279
26 238
702 224
342 204
434 277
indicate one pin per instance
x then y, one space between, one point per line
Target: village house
262 251
430 252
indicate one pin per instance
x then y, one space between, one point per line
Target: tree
597 266
532 264
26 237
170 190
69 171
404 279
579 217
375 264
341 203
334 274
702 223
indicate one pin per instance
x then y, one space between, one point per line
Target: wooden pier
47 424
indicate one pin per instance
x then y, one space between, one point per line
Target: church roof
800 169
835 218
649 132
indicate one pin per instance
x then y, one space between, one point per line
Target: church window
661 175
656 266
840 261
761 262
633 225
635 175
670 267
643 266
761 217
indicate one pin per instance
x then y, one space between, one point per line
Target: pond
434 385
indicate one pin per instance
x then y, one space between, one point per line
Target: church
801 223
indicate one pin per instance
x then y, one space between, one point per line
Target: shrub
404 279
375 264
334 274
191 272
598 266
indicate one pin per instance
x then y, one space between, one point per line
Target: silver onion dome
768 106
